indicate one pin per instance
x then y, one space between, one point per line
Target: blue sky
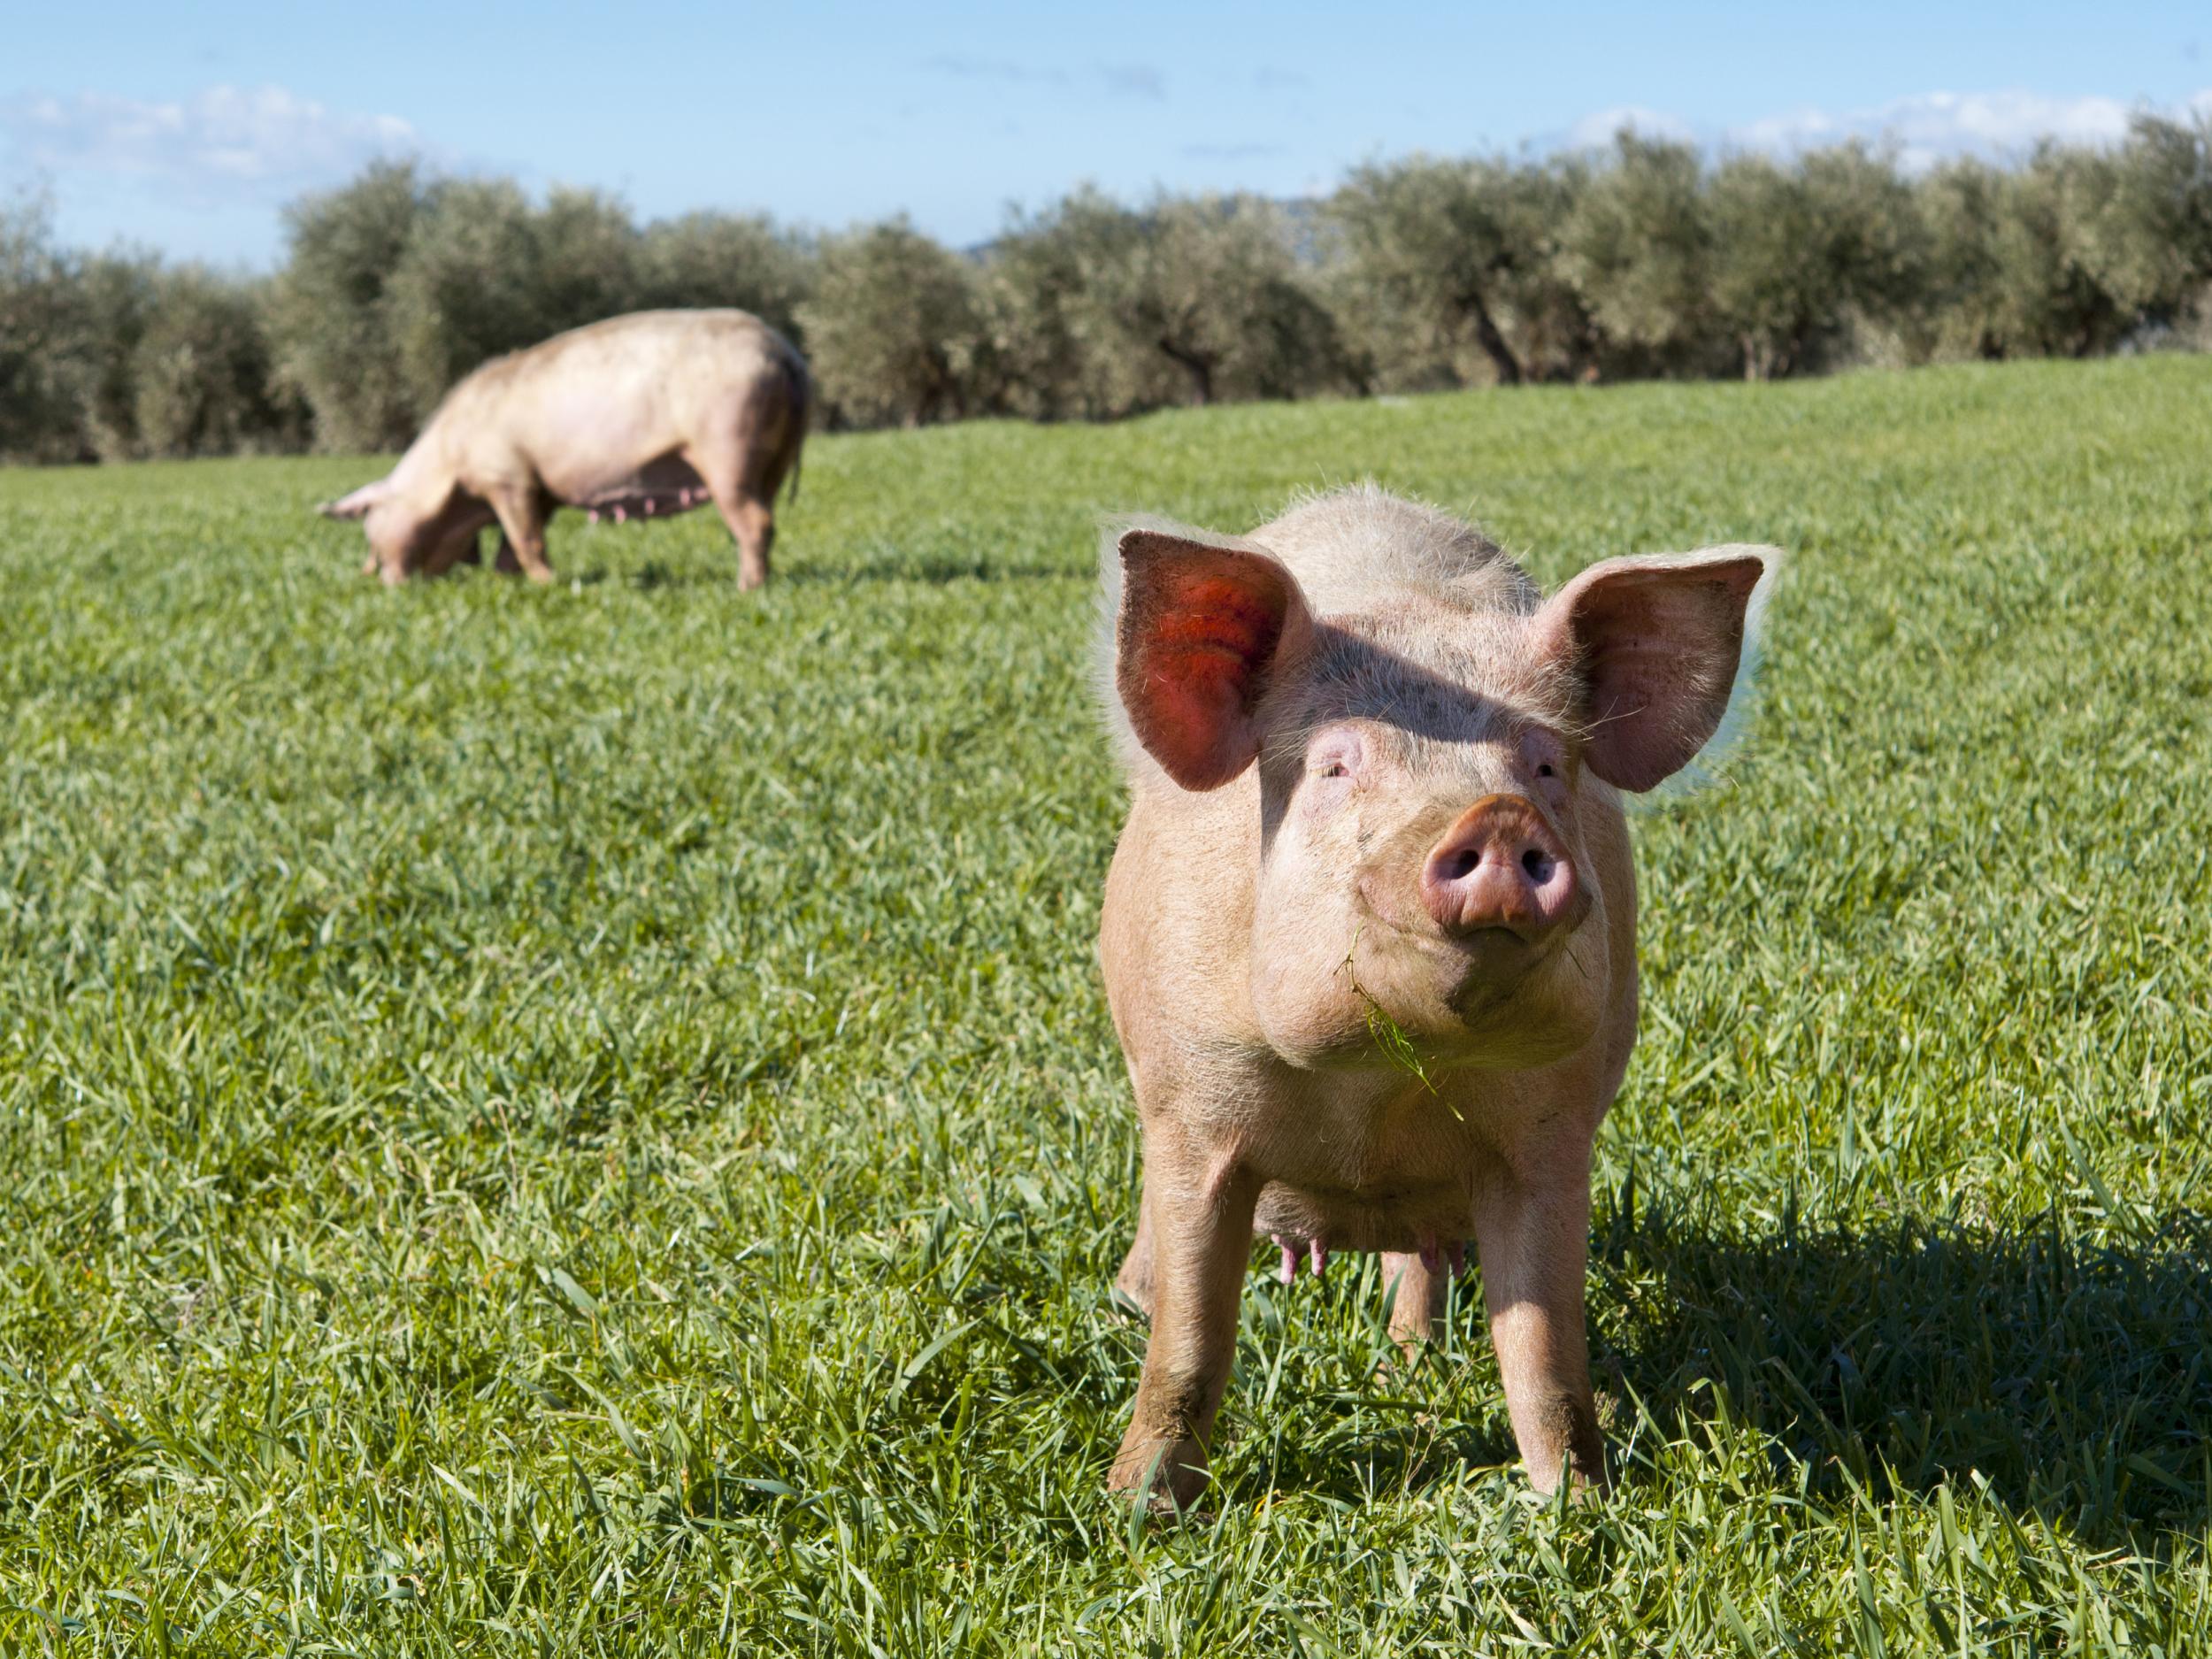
185 129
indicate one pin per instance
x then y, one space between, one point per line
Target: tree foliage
1643 258
893 328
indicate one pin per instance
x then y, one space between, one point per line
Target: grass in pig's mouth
1397 1047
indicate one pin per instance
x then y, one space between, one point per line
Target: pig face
1435 781
1422 857
408 535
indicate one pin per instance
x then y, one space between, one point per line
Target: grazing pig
1369 934
636 417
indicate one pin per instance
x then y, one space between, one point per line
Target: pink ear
357 504
1656 642
1199 629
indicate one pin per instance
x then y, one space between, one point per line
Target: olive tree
201 380
893 328
1801 251
1637 245
1440 257
726 259
329 316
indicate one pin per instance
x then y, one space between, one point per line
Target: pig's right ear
357 504
1200 627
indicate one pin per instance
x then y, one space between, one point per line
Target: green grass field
583 1120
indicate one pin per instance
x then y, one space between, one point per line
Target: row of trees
1644 260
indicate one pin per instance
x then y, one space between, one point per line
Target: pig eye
1337 756
1545 771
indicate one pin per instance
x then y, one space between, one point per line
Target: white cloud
219 140
1933 126
1926 129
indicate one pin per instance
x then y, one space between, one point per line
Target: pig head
419 520
1368 935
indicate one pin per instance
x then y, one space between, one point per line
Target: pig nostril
1537 864
1459 863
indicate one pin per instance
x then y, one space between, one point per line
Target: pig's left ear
357 504
1199 631
1656 642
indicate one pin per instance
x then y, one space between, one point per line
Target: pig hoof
1170 1476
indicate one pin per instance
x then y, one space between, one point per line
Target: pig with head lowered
1370 933
642 416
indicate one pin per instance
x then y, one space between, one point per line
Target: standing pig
1369 934
644 415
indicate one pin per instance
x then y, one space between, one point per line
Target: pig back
602 400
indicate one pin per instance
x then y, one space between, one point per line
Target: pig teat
1316 1252
1433 1253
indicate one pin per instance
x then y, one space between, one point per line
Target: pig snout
1500 866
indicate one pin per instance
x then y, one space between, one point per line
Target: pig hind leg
742 471
750 519
1134 1281
1417 1293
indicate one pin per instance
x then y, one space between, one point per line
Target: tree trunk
1492 341
1197 365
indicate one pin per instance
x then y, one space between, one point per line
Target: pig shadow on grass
2075 1379
649 575
935 573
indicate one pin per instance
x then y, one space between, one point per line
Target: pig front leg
522 531
457 549
1533 1237
1198 1223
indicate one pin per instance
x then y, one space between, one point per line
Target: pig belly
660 489
1411 1219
